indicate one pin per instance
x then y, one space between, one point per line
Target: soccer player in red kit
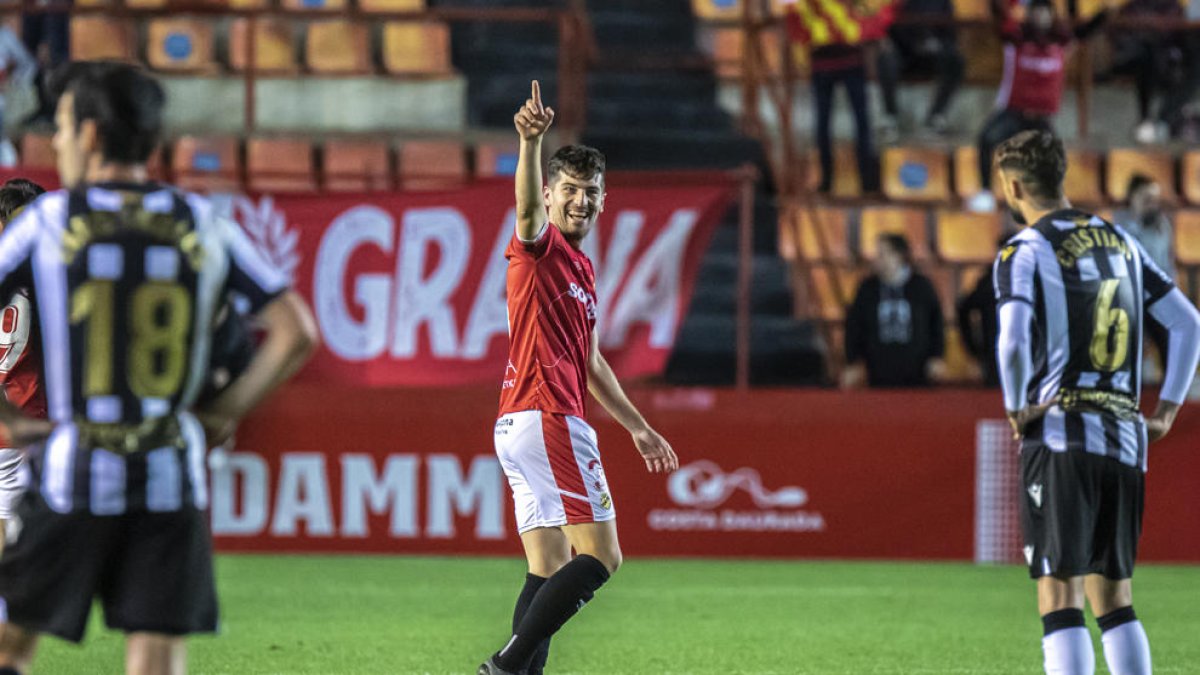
548 451
20 365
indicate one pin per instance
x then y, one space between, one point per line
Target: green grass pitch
329 615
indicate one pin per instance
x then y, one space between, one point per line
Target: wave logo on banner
703 488
267 228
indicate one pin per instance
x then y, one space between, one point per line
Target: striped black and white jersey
1089 285
126 279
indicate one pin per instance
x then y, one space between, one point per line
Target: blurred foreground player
1073 291
547 449
126 275
20 359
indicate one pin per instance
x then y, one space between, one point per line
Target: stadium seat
832 224
1187 237
146 4
728 47
916 174
968 10
1082 183
416 48
338 47
1123 163
496 159
207 163
313 5
37 152
966 173
846 183
280 165
876 220
356 166
959 362
180 45
274 52
94 37
969 276
943 278
432 165
717 10
1189 178
831 301
391 5
967 237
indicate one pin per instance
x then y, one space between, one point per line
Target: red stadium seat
207 163
1190 176
833 289
180 45
280 165
432 165
496 159
967 237
416 48
1187 237
95 37
916 174
391 5
1082 183
274 50
1124 163
357 166
338 47
910 222
37 152
823 234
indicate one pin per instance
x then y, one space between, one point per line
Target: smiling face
574 204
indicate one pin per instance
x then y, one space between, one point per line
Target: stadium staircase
652 105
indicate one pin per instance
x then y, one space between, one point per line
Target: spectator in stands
1155 59
836 33
16 67
51 29
1035 55
894 329
976 313
1144 218
925 50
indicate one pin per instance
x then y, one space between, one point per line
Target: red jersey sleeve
533 249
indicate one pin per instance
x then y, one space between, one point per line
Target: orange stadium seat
916 174
831 300
312 5
180 45
391 5
823 234
966 173
966 10
496 159
94 36
1123 163
416 48
967 237
207 163
280 165
1082 183
1189 177
146 4
274 51
969 276
717 10
357 166
728 47
846 183
338 47
37 152
1187 237
876 220
432 165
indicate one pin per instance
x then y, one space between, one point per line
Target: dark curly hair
577 161
1039 158
15 195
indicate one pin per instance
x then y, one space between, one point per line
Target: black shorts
152 571
1080 513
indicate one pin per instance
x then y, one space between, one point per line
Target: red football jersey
20 368
1034 71
551 315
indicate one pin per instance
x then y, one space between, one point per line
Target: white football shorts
12 481
553 467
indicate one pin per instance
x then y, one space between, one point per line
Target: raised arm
532 121
603 384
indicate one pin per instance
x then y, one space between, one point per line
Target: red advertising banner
763 474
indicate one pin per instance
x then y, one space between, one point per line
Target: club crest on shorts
605 501
1035 493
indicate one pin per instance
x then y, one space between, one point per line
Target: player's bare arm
291 337
532 121
604 387
23 430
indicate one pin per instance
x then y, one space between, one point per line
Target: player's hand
655 449
218 429
1023 417
26 431
937 371
533 119
1159 424
854 376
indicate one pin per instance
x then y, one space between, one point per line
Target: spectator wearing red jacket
1035 58
835 32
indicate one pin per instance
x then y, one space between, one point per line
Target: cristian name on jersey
551 316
